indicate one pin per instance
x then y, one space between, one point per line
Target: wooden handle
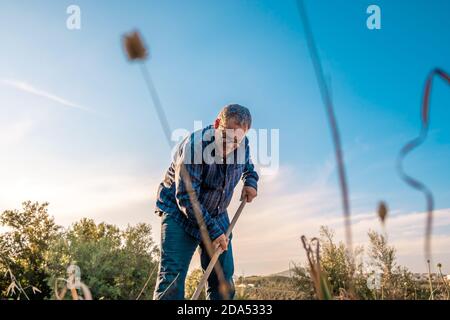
217 253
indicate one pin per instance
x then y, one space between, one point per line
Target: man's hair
236 112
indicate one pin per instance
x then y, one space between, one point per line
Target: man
206 168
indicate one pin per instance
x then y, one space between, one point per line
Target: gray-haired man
215 159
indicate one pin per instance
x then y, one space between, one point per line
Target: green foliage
381 254
192 281
114 263
24 249
348 275
336 261
396 282
342 269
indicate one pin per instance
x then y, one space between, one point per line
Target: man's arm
249 176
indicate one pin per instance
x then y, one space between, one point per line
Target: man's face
229 137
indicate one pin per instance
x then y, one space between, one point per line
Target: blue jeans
177 249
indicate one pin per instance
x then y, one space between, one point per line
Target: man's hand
248 193
221 241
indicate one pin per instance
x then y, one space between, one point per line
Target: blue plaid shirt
213 183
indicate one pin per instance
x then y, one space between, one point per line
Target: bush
114 263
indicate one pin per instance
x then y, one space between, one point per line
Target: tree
24 249
396 282
381 254
34 252
343 268
114 264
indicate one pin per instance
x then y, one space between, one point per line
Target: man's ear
217 123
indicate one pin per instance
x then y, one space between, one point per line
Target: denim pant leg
227 264
177 249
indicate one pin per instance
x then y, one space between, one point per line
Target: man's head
231 125
233 116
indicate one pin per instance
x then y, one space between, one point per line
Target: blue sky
205 54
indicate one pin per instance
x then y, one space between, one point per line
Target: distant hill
286 273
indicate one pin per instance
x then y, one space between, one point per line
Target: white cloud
268 235
28 88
